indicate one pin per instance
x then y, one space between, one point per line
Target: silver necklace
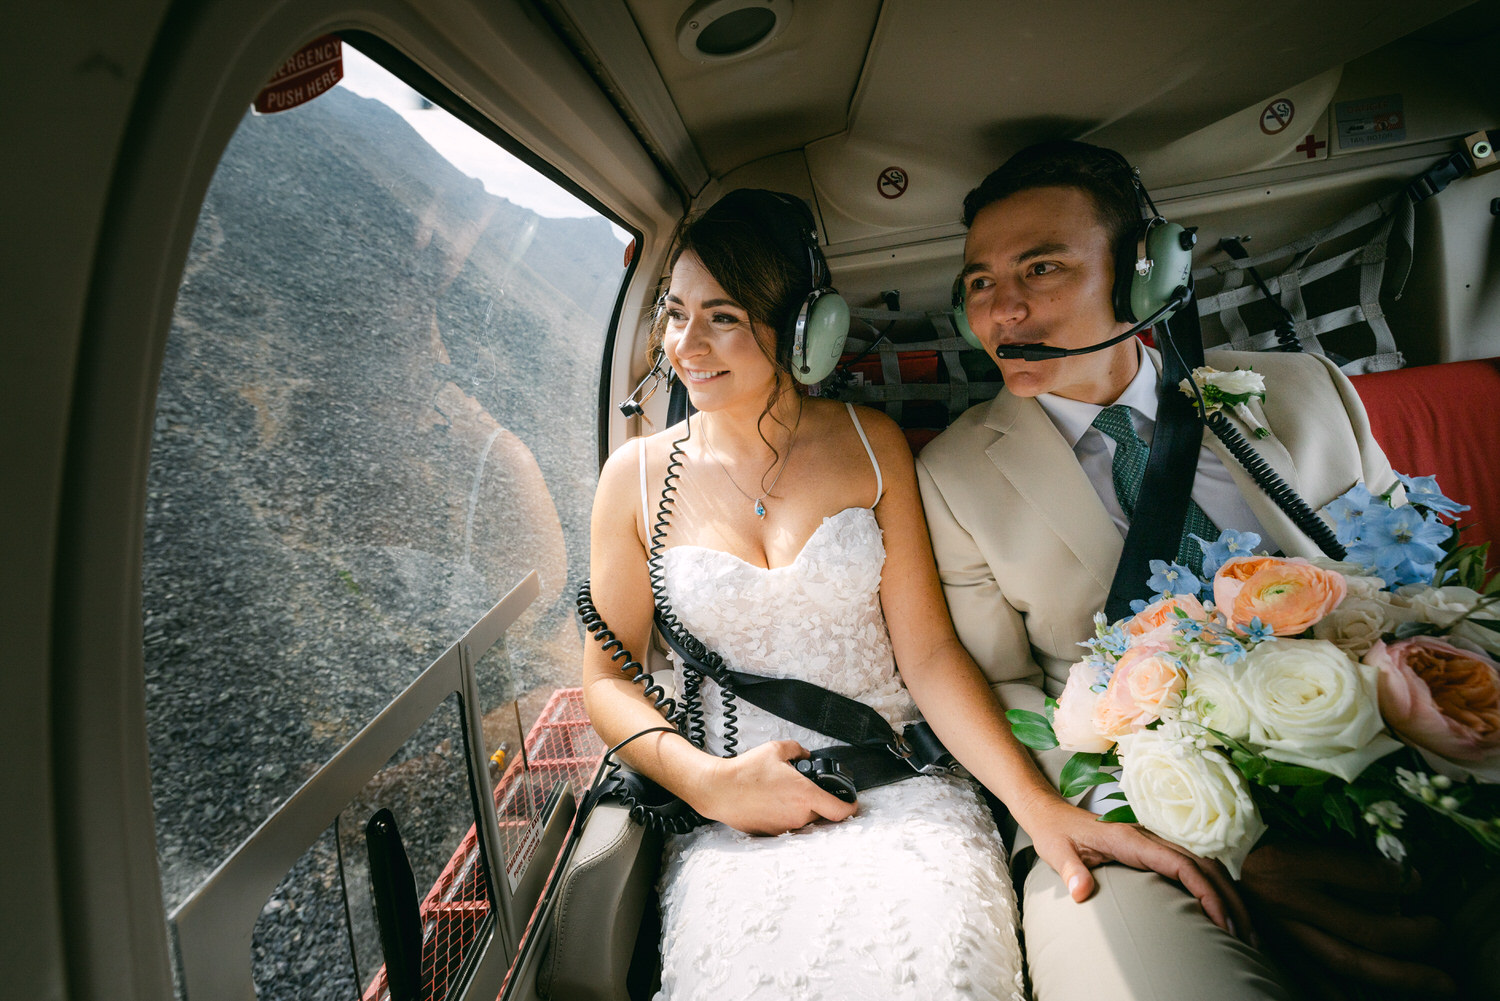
760 507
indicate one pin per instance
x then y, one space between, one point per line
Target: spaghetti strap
879 482
645 505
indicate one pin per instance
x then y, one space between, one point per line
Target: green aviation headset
817 329
1153 276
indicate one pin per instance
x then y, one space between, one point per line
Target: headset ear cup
1169 247
824 333
1125 275
960 316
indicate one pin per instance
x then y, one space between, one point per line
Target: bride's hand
1073 840
760 792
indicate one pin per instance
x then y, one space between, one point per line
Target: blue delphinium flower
1229 545
1257 631
1349 512
1189 628
1423 491
1137 605
1228 649
1400 545
1172 578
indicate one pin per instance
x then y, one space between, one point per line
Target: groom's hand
1333 916
1073 840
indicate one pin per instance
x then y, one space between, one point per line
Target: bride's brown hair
752 242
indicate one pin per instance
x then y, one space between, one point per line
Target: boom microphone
1047 352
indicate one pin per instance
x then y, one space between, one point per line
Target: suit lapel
1035 458
1283 531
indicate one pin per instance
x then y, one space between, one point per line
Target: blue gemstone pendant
760 509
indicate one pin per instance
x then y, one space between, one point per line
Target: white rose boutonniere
1231 389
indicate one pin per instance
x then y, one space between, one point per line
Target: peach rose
1288 595
1163 612
1144 685
1440 698
1073 719
1231 577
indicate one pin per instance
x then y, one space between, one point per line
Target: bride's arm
756 792
957 700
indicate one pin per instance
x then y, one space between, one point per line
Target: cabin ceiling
947 89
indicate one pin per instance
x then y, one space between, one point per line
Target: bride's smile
721 355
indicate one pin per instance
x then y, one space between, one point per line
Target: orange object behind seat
1442 420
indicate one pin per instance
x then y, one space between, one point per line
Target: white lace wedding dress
910 897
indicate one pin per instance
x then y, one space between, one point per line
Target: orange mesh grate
561 746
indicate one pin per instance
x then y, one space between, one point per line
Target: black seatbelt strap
872 751
1161 510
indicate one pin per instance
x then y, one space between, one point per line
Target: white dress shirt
1213 489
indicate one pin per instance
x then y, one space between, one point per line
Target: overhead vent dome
727 29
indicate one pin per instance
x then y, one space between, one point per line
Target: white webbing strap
958 393
1390 216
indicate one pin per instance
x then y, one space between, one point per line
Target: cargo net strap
1391 218
867 336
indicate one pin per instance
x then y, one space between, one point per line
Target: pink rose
1439 698
1144 684
1163 612
1073 719
1289 596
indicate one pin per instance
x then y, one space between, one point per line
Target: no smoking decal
1276 116
892 182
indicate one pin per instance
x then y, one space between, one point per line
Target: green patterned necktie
1130 470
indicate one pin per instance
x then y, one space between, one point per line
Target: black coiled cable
649 804
594 623
1275 487
667 620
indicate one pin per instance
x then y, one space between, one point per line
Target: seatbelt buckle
919 747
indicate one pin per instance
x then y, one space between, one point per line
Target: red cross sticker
1310 146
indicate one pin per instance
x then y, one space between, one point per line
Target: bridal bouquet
1325 700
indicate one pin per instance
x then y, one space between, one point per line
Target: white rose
1310 704
1238 382
1195 799
1073 719
1361 619
1212 698
1443 605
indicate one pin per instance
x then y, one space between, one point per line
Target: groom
1028 526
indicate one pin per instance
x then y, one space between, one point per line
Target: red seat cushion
1442 420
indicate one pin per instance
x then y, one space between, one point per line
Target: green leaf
1342 813
1109 759
1119 815
1081 772
1308 801
1025 716
1031 729
1250 765
1291 775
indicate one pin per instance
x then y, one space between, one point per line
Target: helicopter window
376 415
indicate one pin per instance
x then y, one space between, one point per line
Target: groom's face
1039 268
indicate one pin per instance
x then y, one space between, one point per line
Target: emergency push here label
312 70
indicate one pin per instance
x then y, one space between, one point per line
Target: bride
795 547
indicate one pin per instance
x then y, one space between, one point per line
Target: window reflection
375 415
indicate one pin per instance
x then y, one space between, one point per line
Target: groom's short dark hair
1101 173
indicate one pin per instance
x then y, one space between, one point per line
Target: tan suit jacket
1026 551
